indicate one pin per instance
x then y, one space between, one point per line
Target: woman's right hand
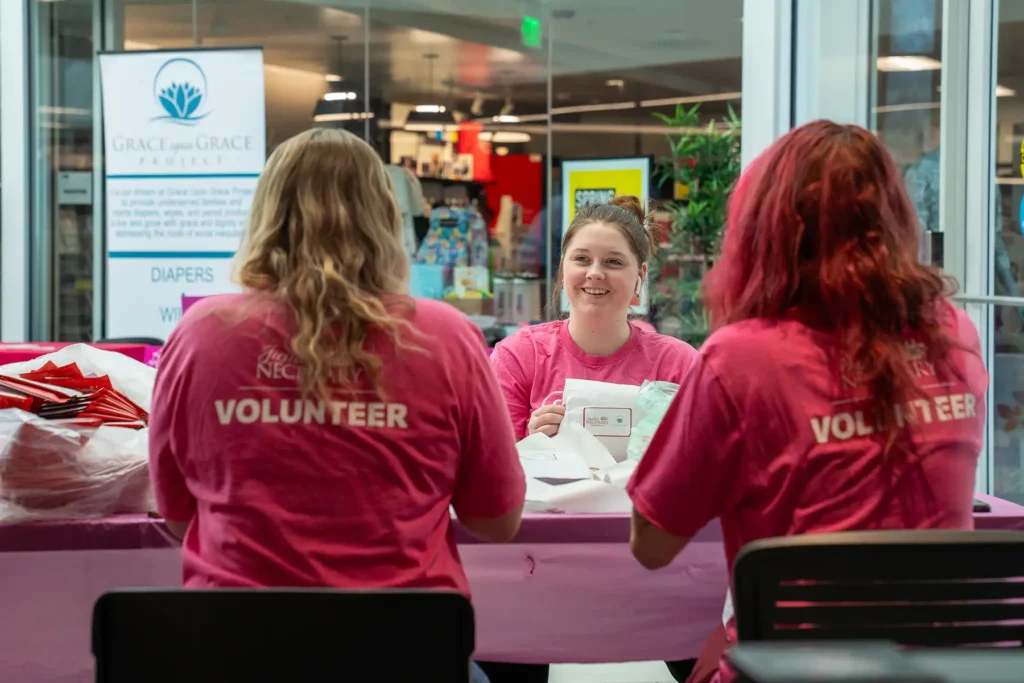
546 420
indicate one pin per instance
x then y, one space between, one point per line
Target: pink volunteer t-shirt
352 493
762 436
533 364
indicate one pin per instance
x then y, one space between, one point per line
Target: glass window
62 291
652 99
523 89
907 102
1006 322
464 102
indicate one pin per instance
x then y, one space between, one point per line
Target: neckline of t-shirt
580 354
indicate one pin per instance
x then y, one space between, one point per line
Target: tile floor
638 672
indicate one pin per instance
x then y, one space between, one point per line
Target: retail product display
448 241
452 262
502 291
409 194
427 281
471 283
517 292
653 400
73 438
508 233
526 299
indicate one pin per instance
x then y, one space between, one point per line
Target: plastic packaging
608 411
51 469
62 468
653 400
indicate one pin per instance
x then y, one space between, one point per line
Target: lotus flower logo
181 91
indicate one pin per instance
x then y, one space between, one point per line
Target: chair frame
281 635
930 587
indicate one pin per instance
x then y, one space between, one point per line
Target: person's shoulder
215 304
437 316
212 313
958 325
527 339
664 344
760 341
442 329
540 332
212 326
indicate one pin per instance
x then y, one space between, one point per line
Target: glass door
64 45
1000 286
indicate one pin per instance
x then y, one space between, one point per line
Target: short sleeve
515 388
690 472
167 433
491 482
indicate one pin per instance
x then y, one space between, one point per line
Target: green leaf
695 225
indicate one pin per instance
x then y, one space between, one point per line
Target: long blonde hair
324 237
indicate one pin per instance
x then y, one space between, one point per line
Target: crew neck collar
573 348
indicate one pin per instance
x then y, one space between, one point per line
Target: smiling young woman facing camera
605 253
604 266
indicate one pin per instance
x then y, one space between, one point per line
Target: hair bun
632 204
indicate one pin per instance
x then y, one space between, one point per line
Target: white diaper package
607 411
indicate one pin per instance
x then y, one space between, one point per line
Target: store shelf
451 182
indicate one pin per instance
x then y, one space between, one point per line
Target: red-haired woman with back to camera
841 390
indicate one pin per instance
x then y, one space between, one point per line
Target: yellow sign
1022 159
599 181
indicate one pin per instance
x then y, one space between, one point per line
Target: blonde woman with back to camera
604 265
313 430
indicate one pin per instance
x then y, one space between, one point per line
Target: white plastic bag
57 469
52 470
608 411
542 458
587 497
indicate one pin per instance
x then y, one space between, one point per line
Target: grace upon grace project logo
181 91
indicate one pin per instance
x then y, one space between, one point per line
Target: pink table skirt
534 601
21 352
567 590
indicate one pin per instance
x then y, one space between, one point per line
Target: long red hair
820 228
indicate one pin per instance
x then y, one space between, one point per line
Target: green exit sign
532 32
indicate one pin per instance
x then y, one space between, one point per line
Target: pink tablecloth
566 591
21 352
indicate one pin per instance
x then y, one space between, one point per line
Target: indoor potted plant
706 163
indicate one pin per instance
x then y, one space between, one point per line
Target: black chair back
932 588
281 636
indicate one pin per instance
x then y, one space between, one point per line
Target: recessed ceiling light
908 63
332 78
344 116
